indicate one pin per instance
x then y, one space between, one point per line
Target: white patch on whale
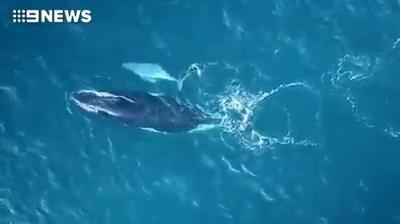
97 109
106 94
153 130
94 109
156 94
203 127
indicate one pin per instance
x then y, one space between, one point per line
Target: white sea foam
230 167
352 73
246 170
236 111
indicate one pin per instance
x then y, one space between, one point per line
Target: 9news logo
51 16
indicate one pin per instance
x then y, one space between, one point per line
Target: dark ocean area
307 93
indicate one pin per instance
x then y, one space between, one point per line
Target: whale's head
102 102
86 97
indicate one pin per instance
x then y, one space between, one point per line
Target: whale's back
144 110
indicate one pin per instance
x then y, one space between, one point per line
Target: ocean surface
308 92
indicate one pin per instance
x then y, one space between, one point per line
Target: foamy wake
236 109
354 72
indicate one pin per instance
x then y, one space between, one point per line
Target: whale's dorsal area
152 112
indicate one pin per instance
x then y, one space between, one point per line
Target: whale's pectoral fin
203 127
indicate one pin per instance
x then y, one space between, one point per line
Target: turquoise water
308 92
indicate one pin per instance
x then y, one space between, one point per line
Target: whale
153 73
151 112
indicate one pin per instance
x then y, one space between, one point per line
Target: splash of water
350 73
235 107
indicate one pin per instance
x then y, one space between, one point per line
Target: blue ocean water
308 92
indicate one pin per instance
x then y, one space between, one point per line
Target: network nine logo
51 16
